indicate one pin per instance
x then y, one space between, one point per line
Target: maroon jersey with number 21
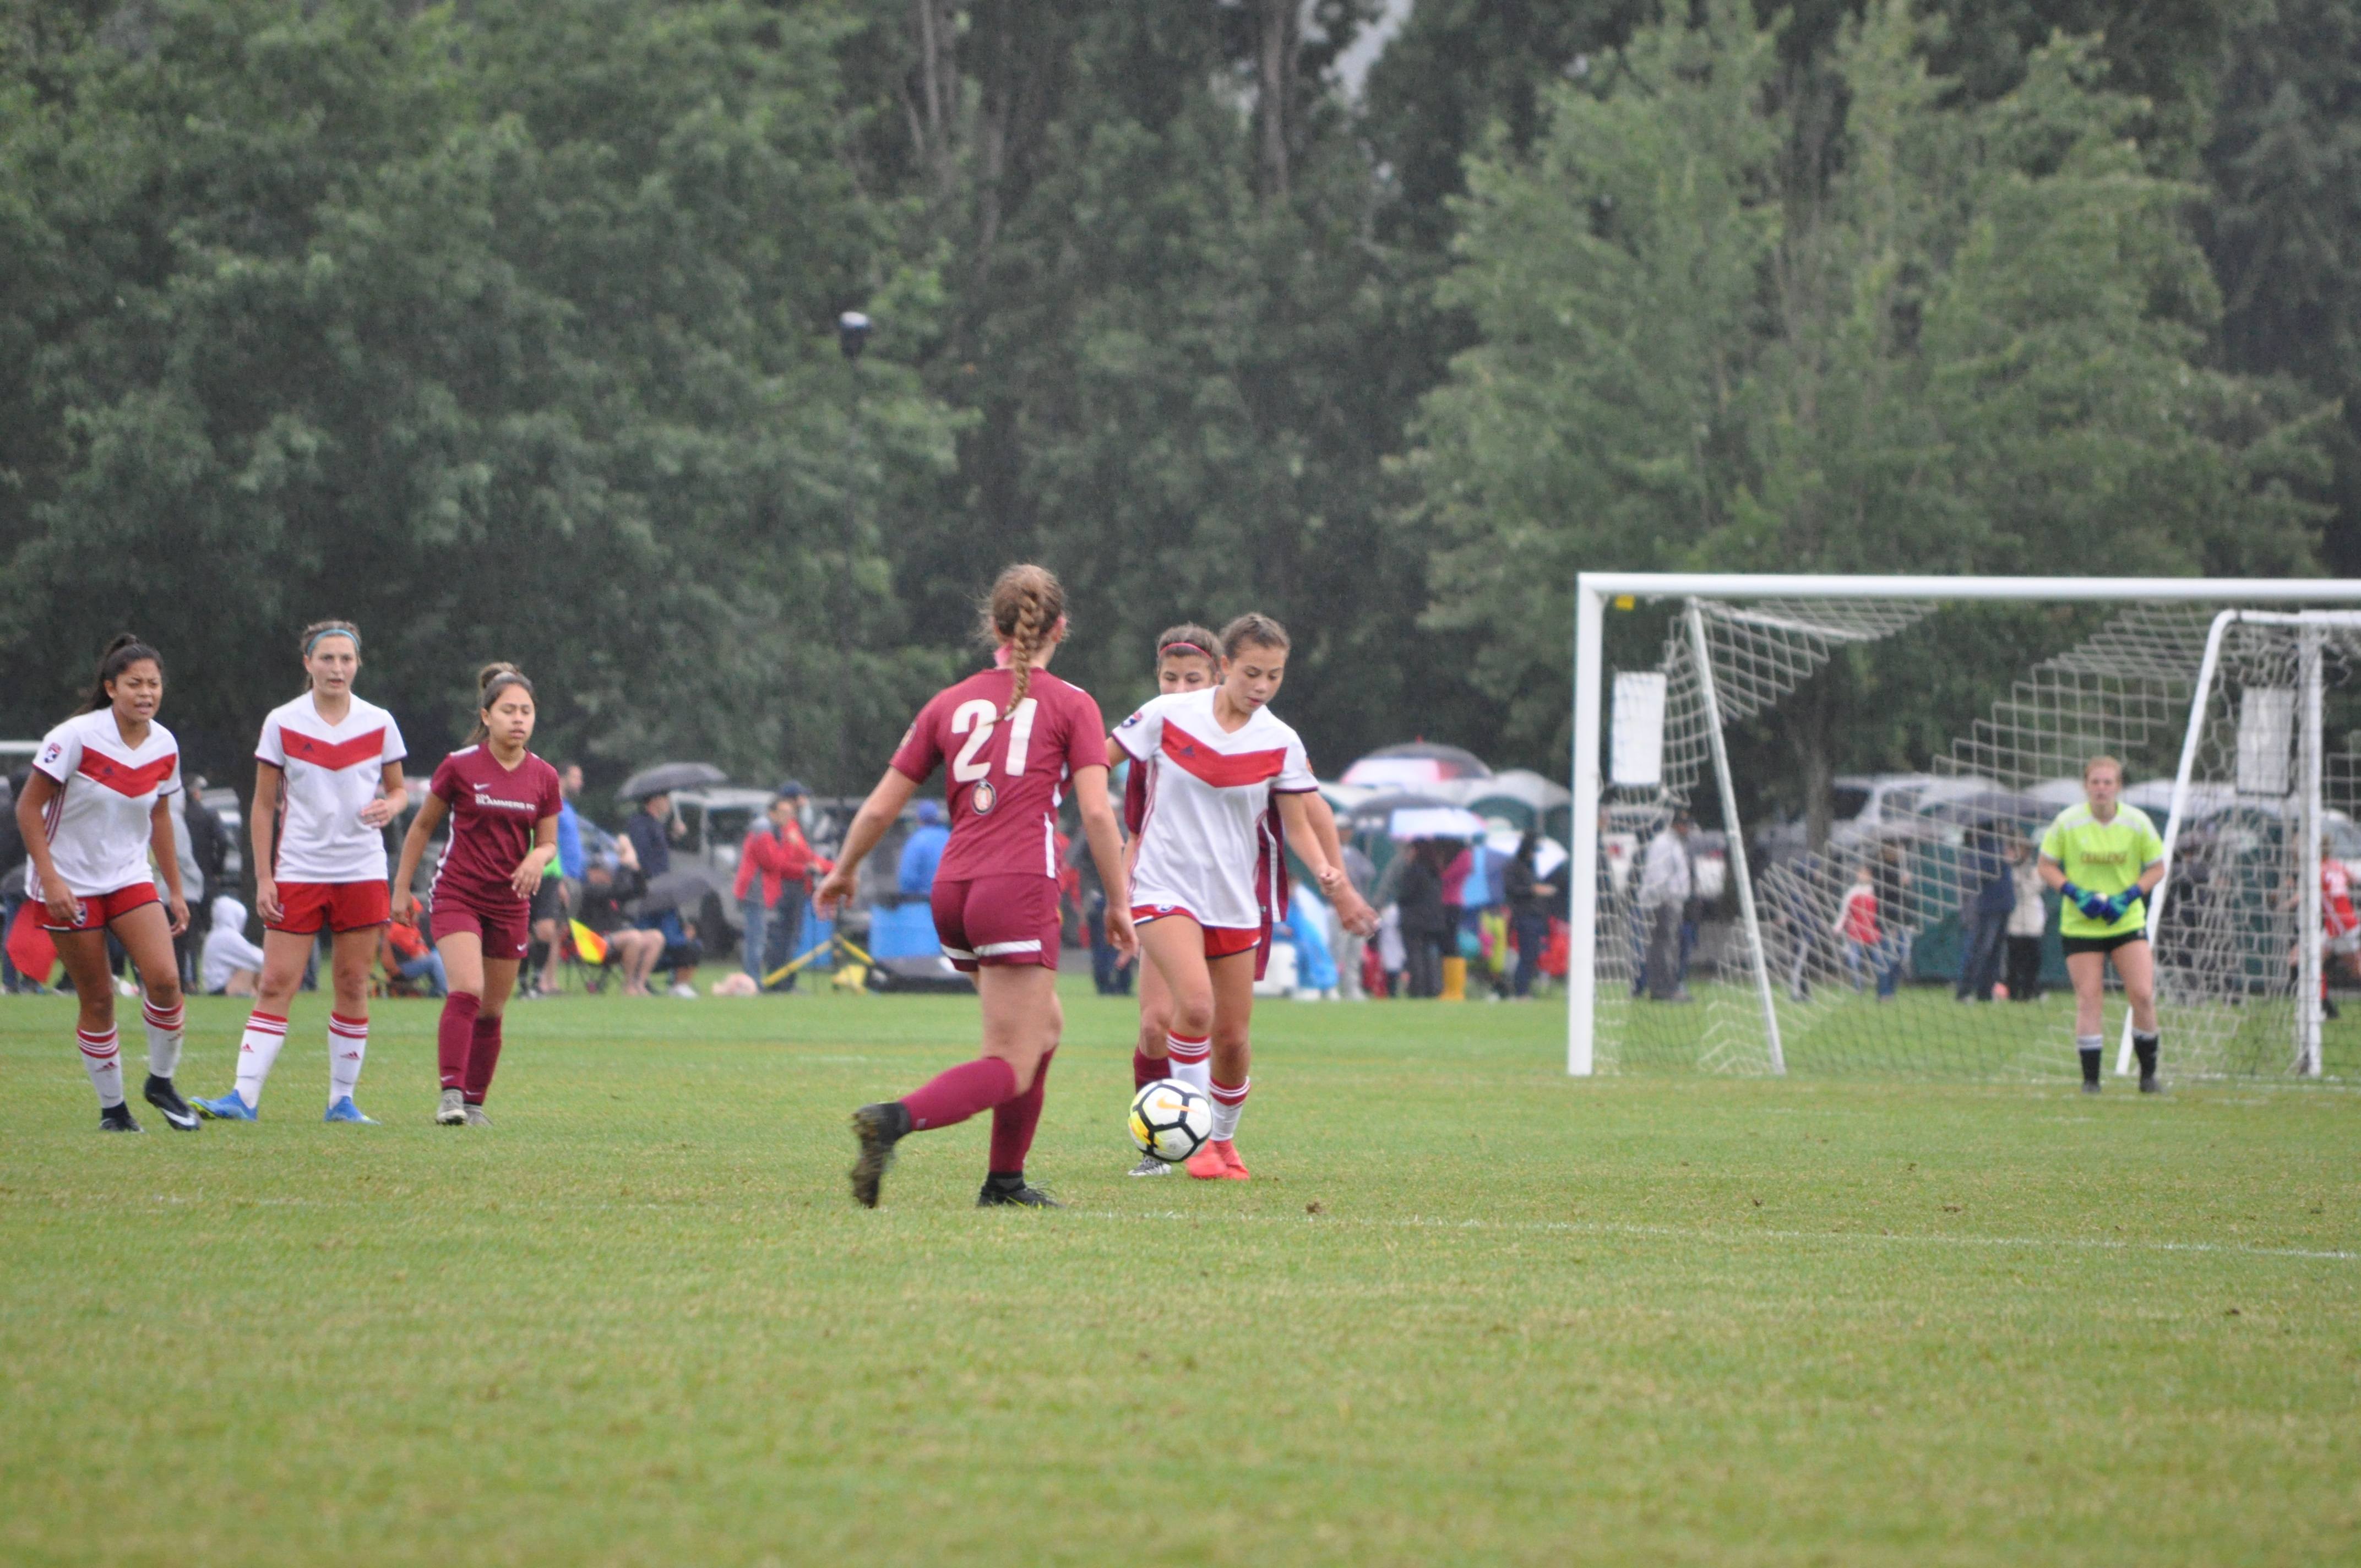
494 811
1007 776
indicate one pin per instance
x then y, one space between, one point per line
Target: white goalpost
2219 686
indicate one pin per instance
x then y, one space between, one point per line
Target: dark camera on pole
852 334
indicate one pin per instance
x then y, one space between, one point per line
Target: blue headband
332 632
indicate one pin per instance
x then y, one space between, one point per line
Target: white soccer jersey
1204 844
332 773
98 822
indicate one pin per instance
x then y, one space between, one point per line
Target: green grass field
1470 1310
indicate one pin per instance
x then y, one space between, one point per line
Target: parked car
1867 807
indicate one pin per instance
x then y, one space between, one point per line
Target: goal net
1710 952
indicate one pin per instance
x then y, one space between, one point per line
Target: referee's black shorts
549 903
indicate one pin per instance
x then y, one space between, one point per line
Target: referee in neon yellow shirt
2104 858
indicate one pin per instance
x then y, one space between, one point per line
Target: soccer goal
1847 956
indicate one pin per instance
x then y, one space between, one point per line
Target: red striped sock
347 1048
1229 1103
1192 1059
165 1032
257 1051
102 1060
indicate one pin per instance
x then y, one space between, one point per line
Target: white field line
1579 1227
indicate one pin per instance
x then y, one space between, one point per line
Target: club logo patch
983 797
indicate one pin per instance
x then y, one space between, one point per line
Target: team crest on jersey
982 798
53 753
1132 720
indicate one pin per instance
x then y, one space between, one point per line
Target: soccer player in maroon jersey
1014 736
503 801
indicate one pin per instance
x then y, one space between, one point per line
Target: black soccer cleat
1007 1189
178 1113
2151 1084
878 1128
994 1195
116 1119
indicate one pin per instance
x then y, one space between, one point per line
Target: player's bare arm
32 809
393 800
168 863
527 877
430 813
879 812
1106 849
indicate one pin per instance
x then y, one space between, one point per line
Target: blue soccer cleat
228 1108
345 1111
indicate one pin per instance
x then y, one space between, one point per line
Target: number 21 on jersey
980 718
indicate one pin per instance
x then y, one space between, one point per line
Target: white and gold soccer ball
1170 1121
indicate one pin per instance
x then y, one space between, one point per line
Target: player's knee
1192 1015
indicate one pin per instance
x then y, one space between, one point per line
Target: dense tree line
505 329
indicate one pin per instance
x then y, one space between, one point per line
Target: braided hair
126 650
1026 606
491 681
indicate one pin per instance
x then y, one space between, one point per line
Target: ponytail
1252 630
491 681
121 654
1026 606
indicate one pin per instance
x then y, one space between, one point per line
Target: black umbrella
669 776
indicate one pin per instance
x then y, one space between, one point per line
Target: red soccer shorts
1009 920
506 932
100 910
341 907
1221 941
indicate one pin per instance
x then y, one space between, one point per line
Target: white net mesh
1931 896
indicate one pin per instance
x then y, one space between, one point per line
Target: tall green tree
1883 329
503 332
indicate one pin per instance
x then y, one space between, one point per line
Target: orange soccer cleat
1207 1164
1237 1168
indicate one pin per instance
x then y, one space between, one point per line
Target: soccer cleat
1151 1165
453 1111
230 1107
686 992
166 1099
994 1196
476 1117
878 1127
2151 1084
116 1119
345 1111
2089 1086
1237 1168
1207 1165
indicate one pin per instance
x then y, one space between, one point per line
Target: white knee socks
164 1033
103 1062
348 1047
1191 1062
1229 1103
257 1051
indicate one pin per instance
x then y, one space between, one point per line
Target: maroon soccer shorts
341 907
997 920
506 932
